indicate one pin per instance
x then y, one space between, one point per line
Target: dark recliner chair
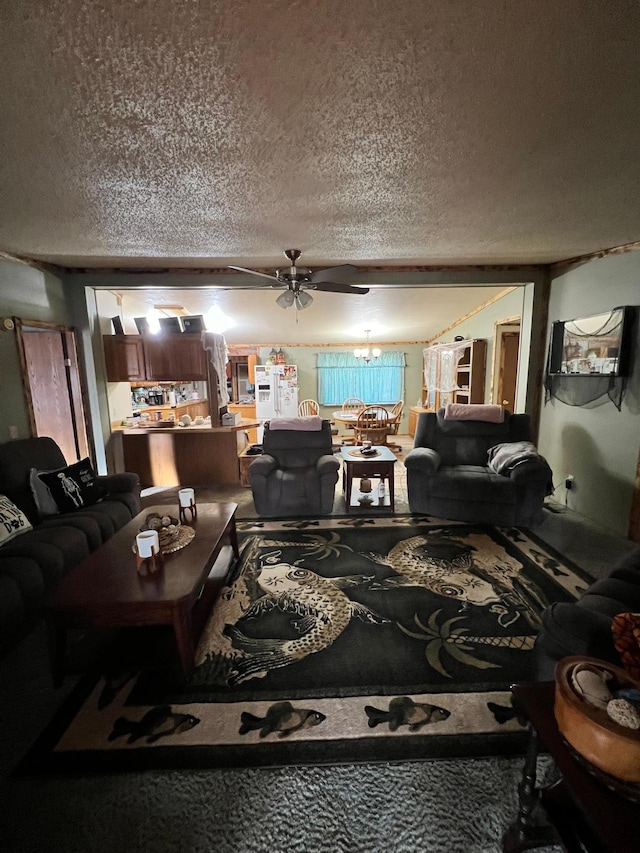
297 473
448 473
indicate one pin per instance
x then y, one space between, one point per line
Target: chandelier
365 353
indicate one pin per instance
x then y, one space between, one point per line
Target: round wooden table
350 419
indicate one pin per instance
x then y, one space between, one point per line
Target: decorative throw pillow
626 638
41 495
74 486
13 521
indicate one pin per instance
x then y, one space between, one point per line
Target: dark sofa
584 627
33 562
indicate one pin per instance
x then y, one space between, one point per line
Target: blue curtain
342 375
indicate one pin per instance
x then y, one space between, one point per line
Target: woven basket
589 730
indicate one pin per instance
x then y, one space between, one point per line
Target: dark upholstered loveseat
584 627
33 562
448 473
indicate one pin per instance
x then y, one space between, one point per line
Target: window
342 375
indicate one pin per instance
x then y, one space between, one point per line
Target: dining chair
373 424
308 407
312 407
353 406
396 414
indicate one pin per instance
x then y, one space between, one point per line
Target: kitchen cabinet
414 414
168 358
195 409
184 456
454 373
124 358
247 411
180 358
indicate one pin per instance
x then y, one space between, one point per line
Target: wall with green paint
305 357
596 443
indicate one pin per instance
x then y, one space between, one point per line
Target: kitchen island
184 456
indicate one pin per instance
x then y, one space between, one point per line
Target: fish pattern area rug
338 640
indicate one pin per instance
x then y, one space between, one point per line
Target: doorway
53 391
505 363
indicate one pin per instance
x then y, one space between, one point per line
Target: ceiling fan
298 280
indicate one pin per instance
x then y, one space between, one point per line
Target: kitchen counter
244 424
184 456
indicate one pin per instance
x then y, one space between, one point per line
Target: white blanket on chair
504 457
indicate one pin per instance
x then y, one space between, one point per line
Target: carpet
336 640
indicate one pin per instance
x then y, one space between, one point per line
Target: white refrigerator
276 391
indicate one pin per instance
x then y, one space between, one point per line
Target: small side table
359 466
584 815
244 461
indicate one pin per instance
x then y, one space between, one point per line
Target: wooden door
52 386
508 371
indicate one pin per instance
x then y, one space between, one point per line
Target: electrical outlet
13 432
568 483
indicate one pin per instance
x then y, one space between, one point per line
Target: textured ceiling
159 133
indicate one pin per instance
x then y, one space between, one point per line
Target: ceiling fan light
303 300
285 300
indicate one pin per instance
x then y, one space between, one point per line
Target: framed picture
116 322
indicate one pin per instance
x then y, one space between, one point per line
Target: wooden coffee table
106 590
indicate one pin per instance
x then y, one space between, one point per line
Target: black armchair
297 473
448 472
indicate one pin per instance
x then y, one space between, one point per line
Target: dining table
350 419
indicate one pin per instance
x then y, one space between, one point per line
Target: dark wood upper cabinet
175 358
166 358
124 358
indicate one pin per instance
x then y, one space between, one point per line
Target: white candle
148 543
187 497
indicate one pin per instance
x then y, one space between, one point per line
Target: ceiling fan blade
336 287
333 273
253 272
